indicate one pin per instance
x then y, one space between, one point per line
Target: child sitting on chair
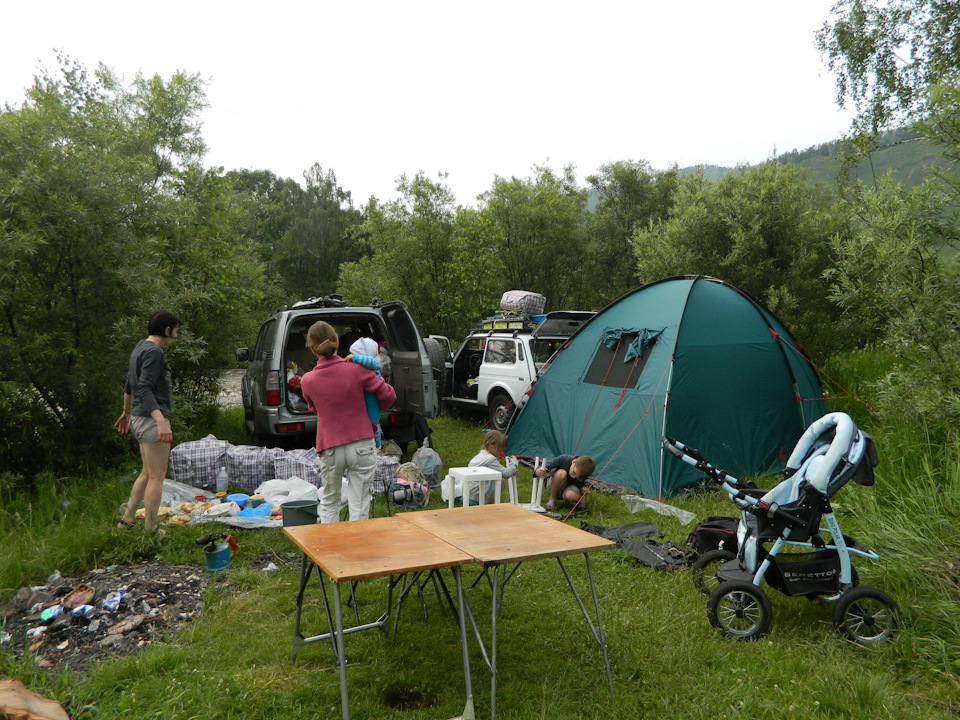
568 476
363 352
494 446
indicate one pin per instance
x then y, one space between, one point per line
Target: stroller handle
692 456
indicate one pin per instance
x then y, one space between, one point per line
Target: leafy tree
263 207
765 230
898 61
541 239
318 238
105 216
887 55
892 276
630 195
423 251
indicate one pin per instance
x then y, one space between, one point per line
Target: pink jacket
334 391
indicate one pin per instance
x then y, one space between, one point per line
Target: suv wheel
500 410
437 363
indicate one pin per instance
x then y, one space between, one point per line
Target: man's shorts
144 429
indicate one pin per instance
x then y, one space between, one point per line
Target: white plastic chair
467 476
536 489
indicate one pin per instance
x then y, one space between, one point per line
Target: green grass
233 661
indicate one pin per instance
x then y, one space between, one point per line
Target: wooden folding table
487 535
361 550
504 534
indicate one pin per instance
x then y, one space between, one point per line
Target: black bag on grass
665 556
714 533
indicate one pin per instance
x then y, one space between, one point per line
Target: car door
412 374
504 366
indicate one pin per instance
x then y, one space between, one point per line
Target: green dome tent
689 357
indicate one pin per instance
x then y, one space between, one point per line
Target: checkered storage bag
385 473
301 463
196 463
250 465
522 301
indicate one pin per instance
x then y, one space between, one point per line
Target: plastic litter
84 611
113 600
635 503
51 613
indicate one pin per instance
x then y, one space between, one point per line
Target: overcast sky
373 90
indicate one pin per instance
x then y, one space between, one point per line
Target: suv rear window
265 340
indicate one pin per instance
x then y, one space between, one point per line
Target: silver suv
274 410
495 367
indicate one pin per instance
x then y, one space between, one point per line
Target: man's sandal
124 525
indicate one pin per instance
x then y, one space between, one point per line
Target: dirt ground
230 390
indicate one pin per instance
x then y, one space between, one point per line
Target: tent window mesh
608 367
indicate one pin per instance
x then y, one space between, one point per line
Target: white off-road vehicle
495 366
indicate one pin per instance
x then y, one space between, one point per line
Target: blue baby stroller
829 454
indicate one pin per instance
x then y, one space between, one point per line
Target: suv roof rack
332 300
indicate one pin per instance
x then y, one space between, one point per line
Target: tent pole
663 425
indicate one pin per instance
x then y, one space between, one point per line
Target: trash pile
108 611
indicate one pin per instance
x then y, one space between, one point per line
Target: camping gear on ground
428 460
830 453
248 465
217 551
299 512
277 491
636 503
385 473
638 540
197 462
239 498
714 533
689 357
522 301
390 447
409 491
301 463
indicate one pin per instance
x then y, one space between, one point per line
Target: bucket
218 557
299 512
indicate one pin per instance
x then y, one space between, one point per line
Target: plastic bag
427 459
448 486
635 503
277 492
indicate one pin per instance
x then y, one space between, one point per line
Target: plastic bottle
222 480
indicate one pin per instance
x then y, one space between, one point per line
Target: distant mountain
902 151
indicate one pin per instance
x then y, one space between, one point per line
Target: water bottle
222 480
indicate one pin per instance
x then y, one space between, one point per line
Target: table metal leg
341 659
598 631
297 636
494 611
468 711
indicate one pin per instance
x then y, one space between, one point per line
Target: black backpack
714 533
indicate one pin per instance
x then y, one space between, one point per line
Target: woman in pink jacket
334 391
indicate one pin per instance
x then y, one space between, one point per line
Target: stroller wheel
704 571
865 615
739 609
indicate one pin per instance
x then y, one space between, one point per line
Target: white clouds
376 89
